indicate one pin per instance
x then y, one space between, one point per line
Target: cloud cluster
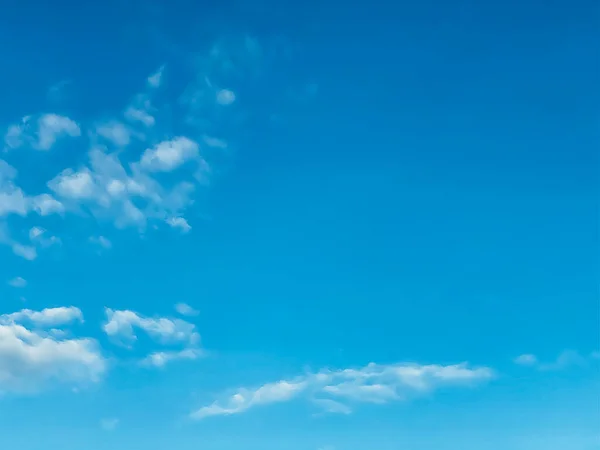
137 169
338 391
122 327
33 353
41 133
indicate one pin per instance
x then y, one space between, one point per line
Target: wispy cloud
186 310
18 282
334 390
101 242
40 134
155 79
109 424
566 359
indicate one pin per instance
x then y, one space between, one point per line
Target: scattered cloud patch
101 241
38 235
186 310
225 97
526 360
18 282
41 134
160 359
115 132
169 155
155 79
565 360
24 251
371 384
45 204
179 222
215 142
122 325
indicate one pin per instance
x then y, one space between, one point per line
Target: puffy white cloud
371 384
30 359
169 155
225 97
41 134
45 204
186 310
18 282
122 325
74 185
49 317
179 222
53 126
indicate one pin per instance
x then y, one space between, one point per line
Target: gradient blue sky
214 217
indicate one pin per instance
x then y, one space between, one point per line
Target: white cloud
225 97
45 204
371 384
128 196
115 132
30 359
42 134
155 79
35 232
214 142
39 236
18 282
331 406
179 222
49 317
139 115
53 126
101 241
24 251
526 360
169 155
109 424
244 399
12 198
160 359
565 360
186 310
121 325
74 185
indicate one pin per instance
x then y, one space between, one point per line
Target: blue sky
311 226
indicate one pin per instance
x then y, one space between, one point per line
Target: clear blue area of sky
405 181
